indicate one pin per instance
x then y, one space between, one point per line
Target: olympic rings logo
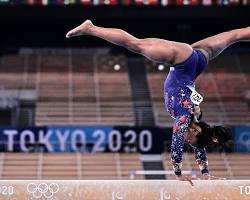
42 190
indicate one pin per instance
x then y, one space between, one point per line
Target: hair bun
222 134
205 138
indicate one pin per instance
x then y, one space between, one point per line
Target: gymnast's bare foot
80 30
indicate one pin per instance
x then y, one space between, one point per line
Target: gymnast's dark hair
221 133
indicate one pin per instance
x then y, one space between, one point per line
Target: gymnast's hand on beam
207 176
185 178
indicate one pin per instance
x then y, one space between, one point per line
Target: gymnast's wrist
205 173
178 173
178 177
206 176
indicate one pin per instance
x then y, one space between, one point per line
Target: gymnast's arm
201 160
179 129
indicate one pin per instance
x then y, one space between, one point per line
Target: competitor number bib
195 97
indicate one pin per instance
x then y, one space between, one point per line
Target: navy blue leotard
179 105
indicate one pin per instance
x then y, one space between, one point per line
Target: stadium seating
13 72
72 89
82 89
81 92
68 166
110 165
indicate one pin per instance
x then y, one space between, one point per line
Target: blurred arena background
85 109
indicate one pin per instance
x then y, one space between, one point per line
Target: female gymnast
181 99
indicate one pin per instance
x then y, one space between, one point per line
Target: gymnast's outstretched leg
155 49
214 45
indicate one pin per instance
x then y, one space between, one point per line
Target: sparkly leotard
177 93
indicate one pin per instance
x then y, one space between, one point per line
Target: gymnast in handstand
181 99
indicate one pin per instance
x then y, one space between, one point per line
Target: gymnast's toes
82 29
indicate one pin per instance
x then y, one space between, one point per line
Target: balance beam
125 190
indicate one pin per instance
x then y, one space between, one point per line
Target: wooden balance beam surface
124 190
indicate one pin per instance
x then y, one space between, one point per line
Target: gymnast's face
191 135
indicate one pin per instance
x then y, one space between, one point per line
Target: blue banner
84 139
21 139
78 138
242 139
